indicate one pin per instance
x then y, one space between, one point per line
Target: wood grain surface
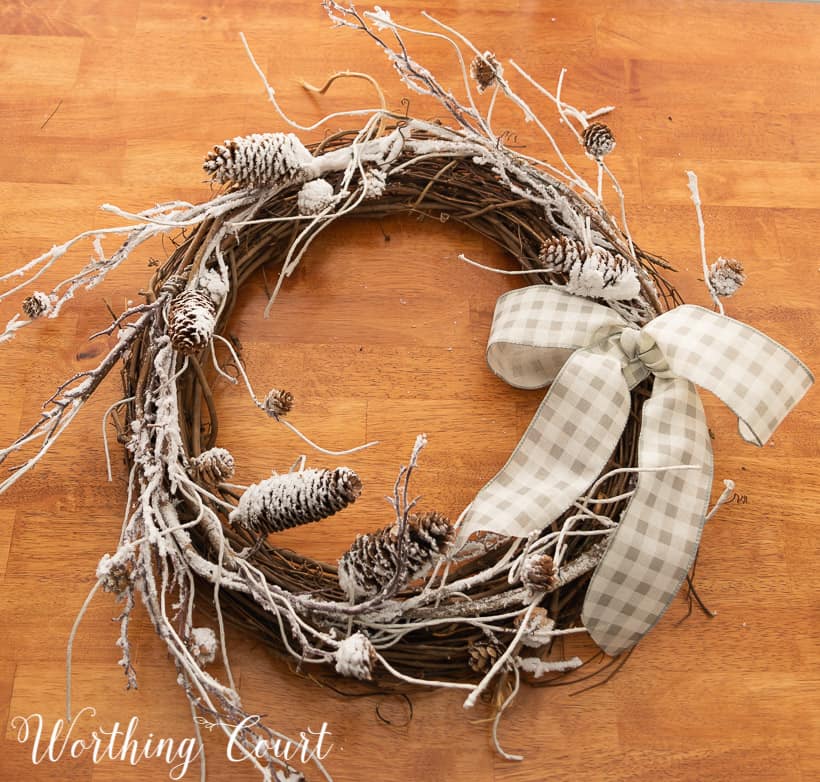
380 335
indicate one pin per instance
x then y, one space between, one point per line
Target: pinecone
370 564
295 498
278 403
191 321
203 645
356 657
314 197
36 305
114 576
538 631
428 535
483 654
597 273
259 160
375 183
485 69
726 276
538 573
213 466
560 253
598 140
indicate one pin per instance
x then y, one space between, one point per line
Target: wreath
478 603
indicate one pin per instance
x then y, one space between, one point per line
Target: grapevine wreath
592 524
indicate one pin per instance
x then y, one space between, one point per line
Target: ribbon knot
641 350
592 358
631 343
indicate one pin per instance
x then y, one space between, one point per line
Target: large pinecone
596 273
598 140
295 498
560 253
259 160
370 564
191 321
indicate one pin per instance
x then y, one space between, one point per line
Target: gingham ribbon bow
592 358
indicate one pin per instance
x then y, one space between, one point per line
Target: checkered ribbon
593 358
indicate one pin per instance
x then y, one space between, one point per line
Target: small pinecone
538 631
114 576
726 276
370 564
538 573
484 69
191 321
314 197
296 498
213 466
36 305
560 253
259 160
203 645
278 403
483 654
117 580
598 140
356 657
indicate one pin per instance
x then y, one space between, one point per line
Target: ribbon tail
567 444
656 540
758 379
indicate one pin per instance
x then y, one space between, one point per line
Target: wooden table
381 335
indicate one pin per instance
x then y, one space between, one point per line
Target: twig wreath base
411 605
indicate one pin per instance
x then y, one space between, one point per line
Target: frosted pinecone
597 273
370 564
482 655
295 498
203 645
485 70
114 575
213 466
560 253
314 197
604 275
36 305
259 160
538 630
598 140
191 321
726 276
356 657
375 183
538 573
278 403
